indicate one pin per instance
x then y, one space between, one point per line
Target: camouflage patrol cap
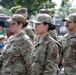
16 18
47 11
40 18
21 11
70 18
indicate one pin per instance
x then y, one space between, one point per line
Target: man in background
69 46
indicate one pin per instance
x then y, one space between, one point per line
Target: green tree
64 2
6 12
65 8
33 6
7 3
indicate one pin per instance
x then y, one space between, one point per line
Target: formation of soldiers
25 54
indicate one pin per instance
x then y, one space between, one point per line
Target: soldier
29 30
69 46
45 55
53 33
15 55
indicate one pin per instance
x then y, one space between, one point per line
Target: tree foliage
66 8
7 3
33 6
64 2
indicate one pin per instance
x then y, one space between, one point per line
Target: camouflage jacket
53 34
29 31
16 55
69 53
45 57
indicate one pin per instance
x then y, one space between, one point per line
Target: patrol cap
70 18
17 18
47 11
40 18
21 11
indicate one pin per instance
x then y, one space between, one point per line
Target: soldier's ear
21 24
47 26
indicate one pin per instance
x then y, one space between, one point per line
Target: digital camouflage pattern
69 53
53 34
29 31
21 11
70 18
16 55
45 57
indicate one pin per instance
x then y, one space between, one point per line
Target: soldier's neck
17 33
43 34
72 32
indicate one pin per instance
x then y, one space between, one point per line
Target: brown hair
24 24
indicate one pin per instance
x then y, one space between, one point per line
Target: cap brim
10 21
67 19
35 21
52 27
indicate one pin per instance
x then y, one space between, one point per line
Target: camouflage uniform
69 45
29 31
53 34
16 55
45 57
69 53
